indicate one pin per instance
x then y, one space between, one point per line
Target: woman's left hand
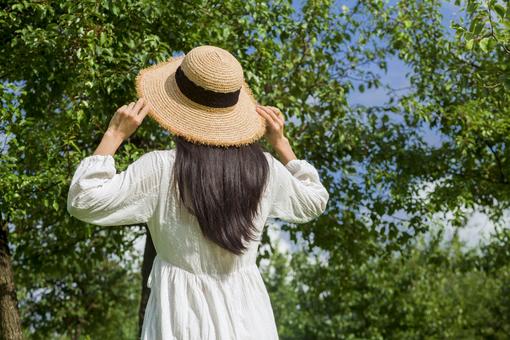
128 118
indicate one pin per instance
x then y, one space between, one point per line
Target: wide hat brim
236 125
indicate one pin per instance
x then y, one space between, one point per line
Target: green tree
428 290
75 63
459 88
67 65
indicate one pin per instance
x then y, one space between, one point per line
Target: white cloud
140 244
478 229
278 237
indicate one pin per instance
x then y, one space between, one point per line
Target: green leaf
500 10
469 44
478 28
102 38
115 10
484 43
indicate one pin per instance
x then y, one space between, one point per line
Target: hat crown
213 68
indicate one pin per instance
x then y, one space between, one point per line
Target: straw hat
202 96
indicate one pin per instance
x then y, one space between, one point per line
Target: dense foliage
65 66
428 291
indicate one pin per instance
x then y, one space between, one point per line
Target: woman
206 201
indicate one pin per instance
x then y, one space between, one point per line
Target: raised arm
99 195
297 193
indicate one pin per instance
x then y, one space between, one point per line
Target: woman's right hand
274 124
274 132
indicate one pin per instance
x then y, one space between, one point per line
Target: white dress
198 289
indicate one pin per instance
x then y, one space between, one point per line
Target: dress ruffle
219 306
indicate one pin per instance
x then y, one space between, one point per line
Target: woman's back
285 197
199 290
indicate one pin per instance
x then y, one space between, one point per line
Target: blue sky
396 78
479 226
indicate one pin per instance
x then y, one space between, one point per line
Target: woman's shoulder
277 166
161 155
156 159
270 158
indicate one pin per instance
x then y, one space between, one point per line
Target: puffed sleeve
298 195
99 195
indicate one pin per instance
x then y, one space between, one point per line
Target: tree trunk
148 258
10 326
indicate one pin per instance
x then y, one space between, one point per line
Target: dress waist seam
247 268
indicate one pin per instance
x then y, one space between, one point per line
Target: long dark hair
222 187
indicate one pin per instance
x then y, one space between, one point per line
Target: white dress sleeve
298 194
99 195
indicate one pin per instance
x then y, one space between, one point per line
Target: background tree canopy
360 271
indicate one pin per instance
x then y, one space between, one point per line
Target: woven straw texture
214 69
